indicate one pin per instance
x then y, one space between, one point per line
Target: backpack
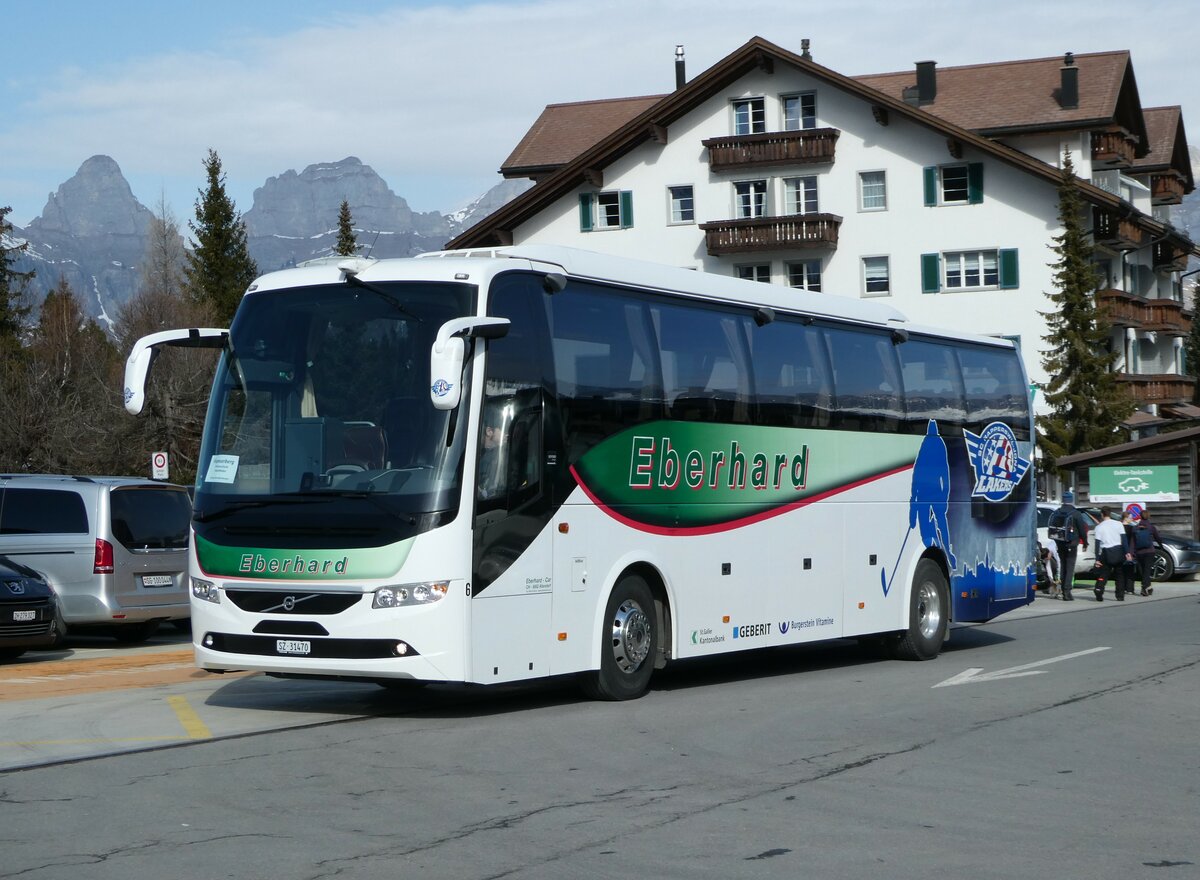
1143 538
1062 527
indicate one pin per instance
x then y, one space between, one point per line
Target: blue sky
434 95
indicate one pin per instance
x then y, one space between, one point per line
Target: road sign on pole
159 469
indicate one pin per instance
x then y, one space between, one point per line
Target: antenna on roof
371 247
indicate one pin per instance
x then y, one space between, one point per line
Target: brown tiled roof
563 131
1015 95
1168 144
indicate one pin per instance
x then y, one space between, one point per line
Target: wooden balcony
771 233
1167 316
1109 228
1121 309
1167 188
1161 388
1112 149
1170 256
811 146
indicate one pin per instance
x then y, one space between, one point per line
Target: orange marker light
563 528
725 619
562 637
862 605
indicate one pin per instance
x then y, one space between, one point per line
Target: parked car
114 549
28 611
1085 559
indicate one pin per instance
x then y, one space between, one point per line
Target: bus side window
933 387
866 380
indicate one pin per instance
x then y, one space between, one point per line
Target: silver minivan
115 549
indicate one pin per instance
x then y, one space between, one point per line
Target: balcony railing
1122 309
1170 256
1109 228
771 233
1161 388
1167 316
1112 149
1166 189
810 146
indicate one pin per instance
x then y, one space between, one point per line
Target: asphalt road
1048 743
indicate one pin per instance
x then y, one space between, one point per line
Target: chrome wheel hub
929 610
630 636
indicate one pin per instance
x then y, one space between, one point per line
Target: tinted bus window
43 512
996 389
932 386
866 380
791 375
156 518
706 377
605 363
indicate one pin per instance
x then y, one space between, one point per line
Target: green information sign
1134 482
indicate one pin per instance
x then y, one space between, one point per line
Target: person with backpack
1067 528
1145 546
1112 549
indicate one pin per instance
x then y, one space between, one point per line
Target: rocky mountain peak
96 201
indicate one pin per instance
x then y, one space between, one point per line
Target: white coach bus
487 467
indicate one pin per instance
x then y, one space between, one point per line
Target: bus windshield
321 406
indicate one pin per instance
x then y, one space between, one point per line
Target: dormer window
749 116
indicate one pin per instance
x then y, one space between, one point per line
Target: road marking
196 729
968 676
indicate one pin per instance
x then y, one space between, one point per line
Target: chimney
680 76
1068 93
804 53
926 81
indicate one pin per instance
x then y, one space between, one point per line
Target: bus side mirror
145 350
447 353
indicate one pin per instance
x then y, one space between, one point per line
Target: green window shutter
1010 275
975 183
931 273
626 209
585 212
931 186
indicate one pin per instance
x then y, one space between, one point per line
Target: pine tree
1087 402
12 288
347 241
220 268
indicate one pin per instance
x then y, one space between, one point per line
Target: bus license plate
156 580
24 615
291 646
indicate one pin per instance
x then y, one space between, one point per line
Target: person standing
1112 551
1145 546
1068 528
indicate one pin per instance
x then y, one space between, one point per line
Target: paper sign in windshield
222 469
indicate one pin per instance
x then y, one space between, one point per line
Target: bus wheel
928 615
628 643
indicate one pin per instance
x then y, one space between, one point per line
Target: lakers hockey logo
998 467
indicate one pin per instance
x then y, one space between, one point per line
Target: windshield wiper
355 281
235 506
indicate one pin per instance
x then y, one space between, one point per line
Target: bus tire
928 615
628 643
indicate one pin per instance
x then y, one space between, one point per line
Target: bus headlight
410 594
206 590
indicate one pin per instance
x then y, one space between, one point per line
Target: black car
28 611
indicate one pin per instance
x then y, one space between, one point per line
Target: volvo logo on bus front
289 603
998 467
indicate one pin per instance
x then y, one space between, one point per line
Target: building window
872 191
750 198
605 210
749 116
954 184
683 204
805 275
876 276
760 272
800 195
970 270
800 111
